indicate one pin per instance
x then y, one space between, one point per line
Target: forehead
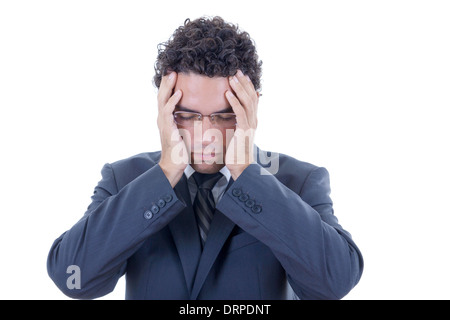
201 93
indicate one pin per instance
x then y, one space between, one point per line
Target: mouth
205 157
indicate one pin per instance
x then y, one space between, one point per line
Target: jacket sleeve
319 256
115 225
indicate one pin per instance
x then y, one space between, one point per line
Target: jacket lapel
185 234
218 233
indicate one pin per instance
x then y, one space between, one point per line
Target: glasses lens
186 119
224 119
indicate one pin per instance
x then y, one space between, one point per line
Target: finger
244 89
172 102
166 112
238 109
240 90
247 84
166 88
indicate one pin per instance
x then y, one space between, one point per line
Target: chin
207 168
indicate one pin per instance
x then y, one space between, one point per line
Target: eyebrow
181 108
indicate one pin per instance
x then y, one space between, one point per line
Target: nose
201 133
204 124
206 135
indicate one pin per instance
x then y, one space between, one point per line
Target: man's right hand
174 156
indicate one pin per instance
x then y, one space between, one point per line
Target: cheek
227 136
188 136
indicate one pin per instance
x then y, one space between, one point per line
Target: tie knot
206 181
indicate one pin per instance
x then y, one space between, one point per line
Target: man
206 217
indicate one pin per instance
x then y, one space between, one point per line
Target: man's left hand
244 102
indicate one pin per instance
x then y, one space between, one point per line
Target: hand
174 156
245 105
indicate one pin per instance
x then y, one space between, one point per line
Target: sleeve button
249 203
243 197
256 209
148 215
154 209
161 203
236 192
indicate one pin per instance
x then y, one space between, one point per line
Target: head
205 52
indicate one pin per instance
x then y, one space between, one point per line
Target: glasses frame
201 116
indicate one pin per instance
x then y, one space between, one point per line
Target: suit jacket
271 234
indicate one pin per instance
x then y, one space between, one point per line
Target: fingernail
172 74
240 74
248 78
177 93
235 79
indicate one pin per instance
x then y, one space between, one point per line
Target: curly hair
211 47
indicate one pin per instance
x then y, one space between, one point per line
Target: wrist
236 171
172 173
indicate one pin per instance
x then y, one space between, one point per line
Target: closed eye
225 116
187 117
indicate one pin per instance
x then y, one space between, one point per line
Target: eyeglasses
188 119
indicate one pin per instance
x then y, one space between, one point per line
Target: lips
205 156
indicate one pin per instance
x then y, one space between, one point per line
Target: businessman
210 216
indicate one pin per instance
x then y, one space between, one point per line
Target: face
206 96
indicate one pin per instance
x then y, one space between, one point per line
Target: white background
359 87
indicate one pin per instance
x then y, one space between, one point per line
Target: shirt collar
189 171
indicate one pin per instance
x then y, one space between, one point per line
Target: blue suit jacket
270 234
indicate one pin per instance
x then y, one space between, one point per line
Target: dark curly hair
211 47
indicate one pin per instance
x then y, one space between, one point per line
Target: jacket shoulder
287 169
128 169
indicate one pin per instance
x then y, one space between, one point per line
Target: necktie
204 201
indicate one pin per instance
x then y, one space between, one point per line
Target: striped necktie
204 205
